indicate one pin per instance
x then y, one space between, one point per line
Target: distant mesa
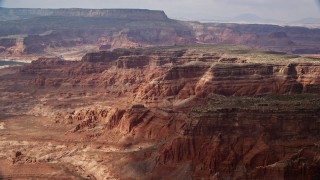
139 14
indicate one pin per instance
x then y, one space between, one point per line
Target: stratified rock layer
191 112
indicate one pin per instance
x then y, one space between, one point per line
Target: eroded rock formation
191 112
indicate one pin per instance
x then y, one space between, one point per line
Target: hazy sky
192 9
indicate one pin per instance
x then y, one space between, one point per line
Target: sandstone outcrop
191 112
170 74
218 142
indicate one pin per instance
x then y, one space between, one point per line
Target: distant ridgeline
140 14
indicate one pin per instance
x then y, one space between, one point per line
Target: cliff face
192 112
247 141
234 79
182 74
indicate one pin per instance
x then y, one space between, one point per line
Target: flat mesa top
248 54
79 12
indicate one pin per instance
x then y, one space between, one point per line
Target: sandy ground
2 126
48 150
70 54
45 152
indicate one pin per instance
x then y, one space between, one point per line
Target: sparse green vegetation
269 102
243 53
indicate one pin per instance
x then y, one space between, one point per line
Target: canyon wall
183 111
170 74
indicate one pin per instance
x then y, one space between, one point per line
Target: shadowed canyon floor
180 112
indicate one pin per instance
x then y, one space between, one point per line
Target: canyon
167 112
27 34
